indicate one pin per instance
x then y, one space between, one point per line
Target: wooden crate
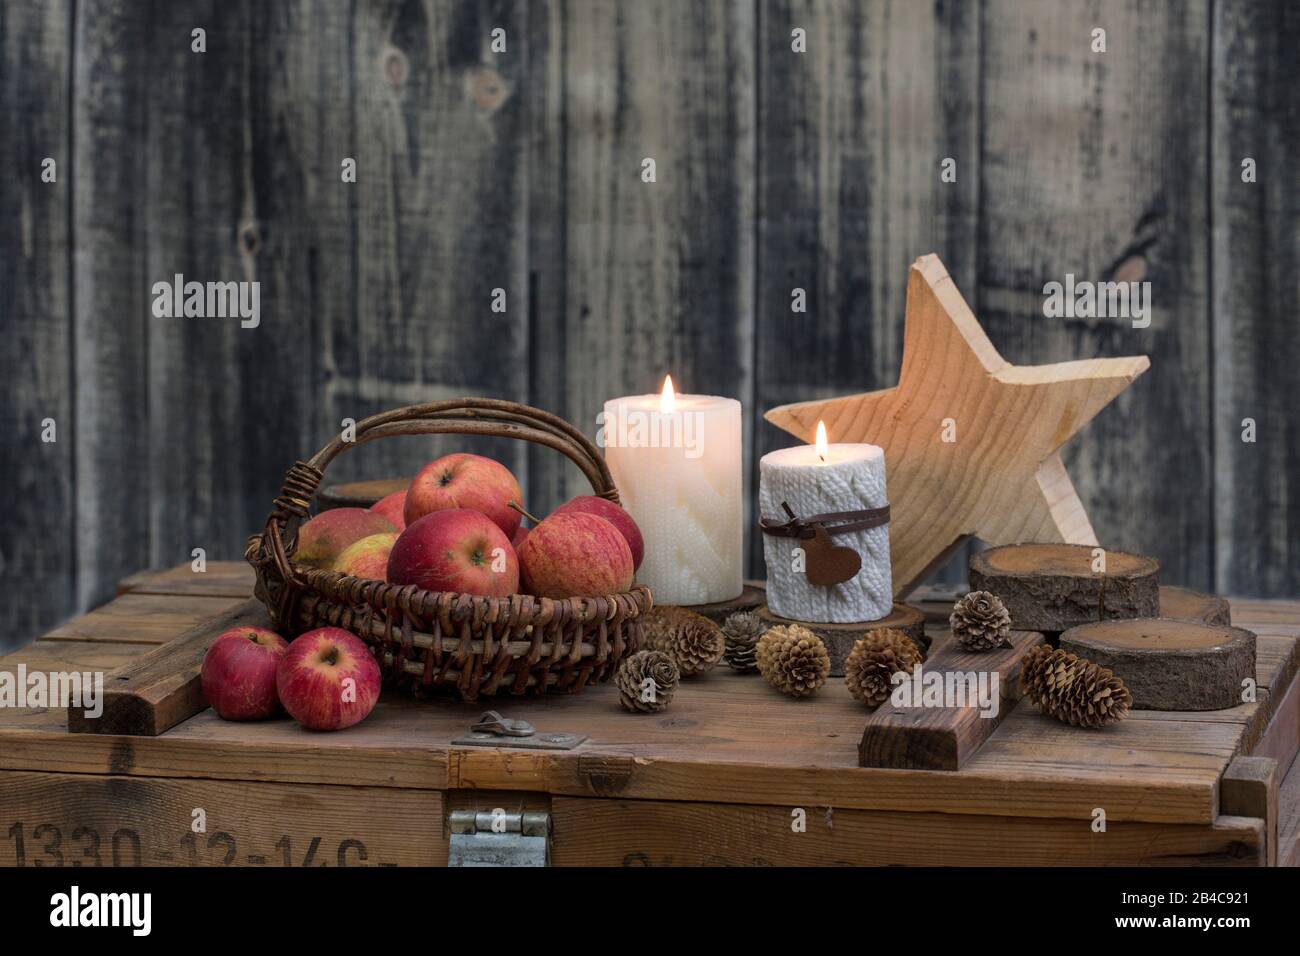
732 773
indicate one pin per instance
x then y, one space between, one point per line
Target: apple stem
524 513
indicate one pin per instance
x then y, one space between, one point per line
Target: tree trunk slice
1052 587
840 638
750 599
358 494
1168 664
1184 604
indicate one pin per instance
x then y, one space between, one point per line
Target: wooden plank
1255 247
725 734
143 618
1097 192
38 559
662 833
1250 789
47 656
1288 847
212 473
552 478
851 136
55 819
437 220
736 737
155 692
110 313
1281 741
233 579
654 286
944 738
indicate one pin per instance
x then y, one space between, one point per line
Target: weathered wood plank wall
521 171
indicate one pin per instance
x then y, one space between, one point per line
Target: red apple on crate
393 508
328 679
575 555
455 550
620 519
322 539
238 673
466 481
367 558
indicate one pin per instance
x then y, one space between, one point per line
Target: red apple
238 673
367 558
575 555
322 539
456 550
620 519
520 535
392 507
328 679
466 481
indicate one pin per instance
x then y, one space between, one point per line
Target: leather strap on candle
834 522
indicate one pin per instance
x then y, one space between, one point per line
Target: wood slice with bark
1169 664
1184 604
1053 587
840 638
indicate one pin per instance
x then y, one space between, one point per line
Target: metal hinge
499 838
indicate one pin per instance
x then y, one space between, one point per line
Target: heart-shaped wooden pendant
825 563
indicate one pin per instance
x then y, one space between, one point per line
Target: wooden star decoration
971 441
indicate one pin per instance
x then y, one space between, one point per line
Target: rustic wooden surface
728 748
1255 278
776 170
36 366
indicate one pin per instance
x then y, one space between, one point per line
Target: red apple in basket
456 550
612 513
322 539
392 507
328 679
519 537
575 555
367 558
238 673
466 481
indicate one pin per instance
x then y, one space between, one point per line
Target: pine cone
693 641
793 659
635 693
980 621
741 632
874 660
1073 690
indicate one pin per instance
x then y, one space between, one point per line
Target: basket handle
460 416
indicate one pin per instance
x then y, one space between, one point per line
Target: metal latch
493 730
499 838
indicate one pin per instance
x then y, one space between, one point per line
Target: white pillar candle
676 460
847 478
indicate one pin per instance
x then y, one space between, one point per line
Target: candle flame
821 440
667 398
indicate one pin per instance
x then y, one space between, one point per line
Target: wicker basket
478 645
